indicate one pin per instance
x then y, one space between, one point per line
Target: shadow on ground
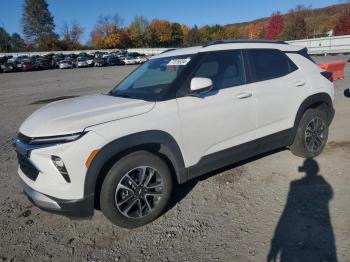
304 231
181 191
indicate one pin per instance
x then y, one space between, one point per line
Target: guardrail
322 45
145 51
325 45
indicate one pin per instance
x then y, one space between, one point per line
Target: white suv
181 114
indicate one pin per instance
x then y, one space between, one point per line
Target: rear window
268 64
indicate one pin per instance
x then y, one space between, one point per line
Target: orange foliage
161 29
97 39
255 30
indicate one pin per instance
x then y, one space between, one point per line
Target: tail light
328 75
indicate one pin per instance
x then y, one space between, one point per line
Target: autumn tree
206 34
275 26
193 37
125 38
38 24
295 25
185 30
17 43
254 30
4 40
159 33
71 35
262 33
138 29
342 26
217 32
47 43
231 32
97 39
177 36
106 33
295 28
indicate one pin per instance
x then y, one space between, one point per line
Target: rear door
223 117
278 87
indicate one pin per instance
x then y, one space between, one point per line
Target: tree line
40 34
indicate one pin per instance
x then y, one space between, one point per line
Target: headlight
50 139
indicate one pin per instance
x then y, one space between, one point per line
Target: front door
223 117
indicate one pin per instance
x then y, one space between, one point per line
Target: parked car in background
8 67
34 57
19 60
100 61
82 54
111 61
82 62
43 63
71 56
28 65
90 60
4 59
129 60
65 64
56 59
140 59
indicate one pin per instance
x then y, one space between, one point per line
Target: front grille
27 167
24 139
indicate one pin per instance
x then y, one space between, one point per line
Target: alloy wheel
139 192
315 133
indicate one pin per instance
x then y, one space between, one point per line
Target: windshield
153 79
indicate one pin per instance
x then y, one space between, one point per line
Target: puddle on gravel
46 101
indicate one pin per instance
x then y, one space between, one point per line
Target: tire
302 144
123 183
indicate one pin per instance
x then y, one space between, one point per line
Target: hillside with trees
110 32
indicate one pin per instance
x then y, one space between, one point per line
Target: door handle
243 95
299 83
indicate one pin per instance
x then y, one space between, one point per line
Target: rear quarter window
268 64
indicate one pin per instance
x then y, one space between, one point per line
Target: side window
268 64
224 68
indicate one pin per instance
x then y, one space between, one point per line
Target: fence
146 51
325 45
322 45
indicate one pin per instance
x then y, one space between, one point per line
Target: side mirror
201 85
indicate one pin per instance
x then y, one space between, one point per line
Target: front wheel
136 190
312 134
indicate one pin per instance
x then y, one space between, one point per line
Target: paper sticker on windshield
176 62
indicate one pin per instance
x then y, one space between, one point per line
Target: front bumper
80 208
43 183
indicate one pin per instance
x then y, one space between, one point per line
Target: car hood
74 115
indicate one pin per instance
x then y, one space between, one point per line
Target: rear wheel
312 134
136 190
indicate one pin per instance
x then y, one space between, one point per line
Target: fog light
59 164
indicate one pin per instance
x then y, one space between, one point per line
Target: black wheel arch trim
311 101
167 146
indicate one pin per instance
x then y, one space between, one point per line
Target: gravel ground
230 215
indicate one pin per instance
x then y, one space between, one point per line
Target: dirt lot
229 216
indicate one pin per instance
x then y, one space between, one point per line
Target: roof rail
243 41
168 50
